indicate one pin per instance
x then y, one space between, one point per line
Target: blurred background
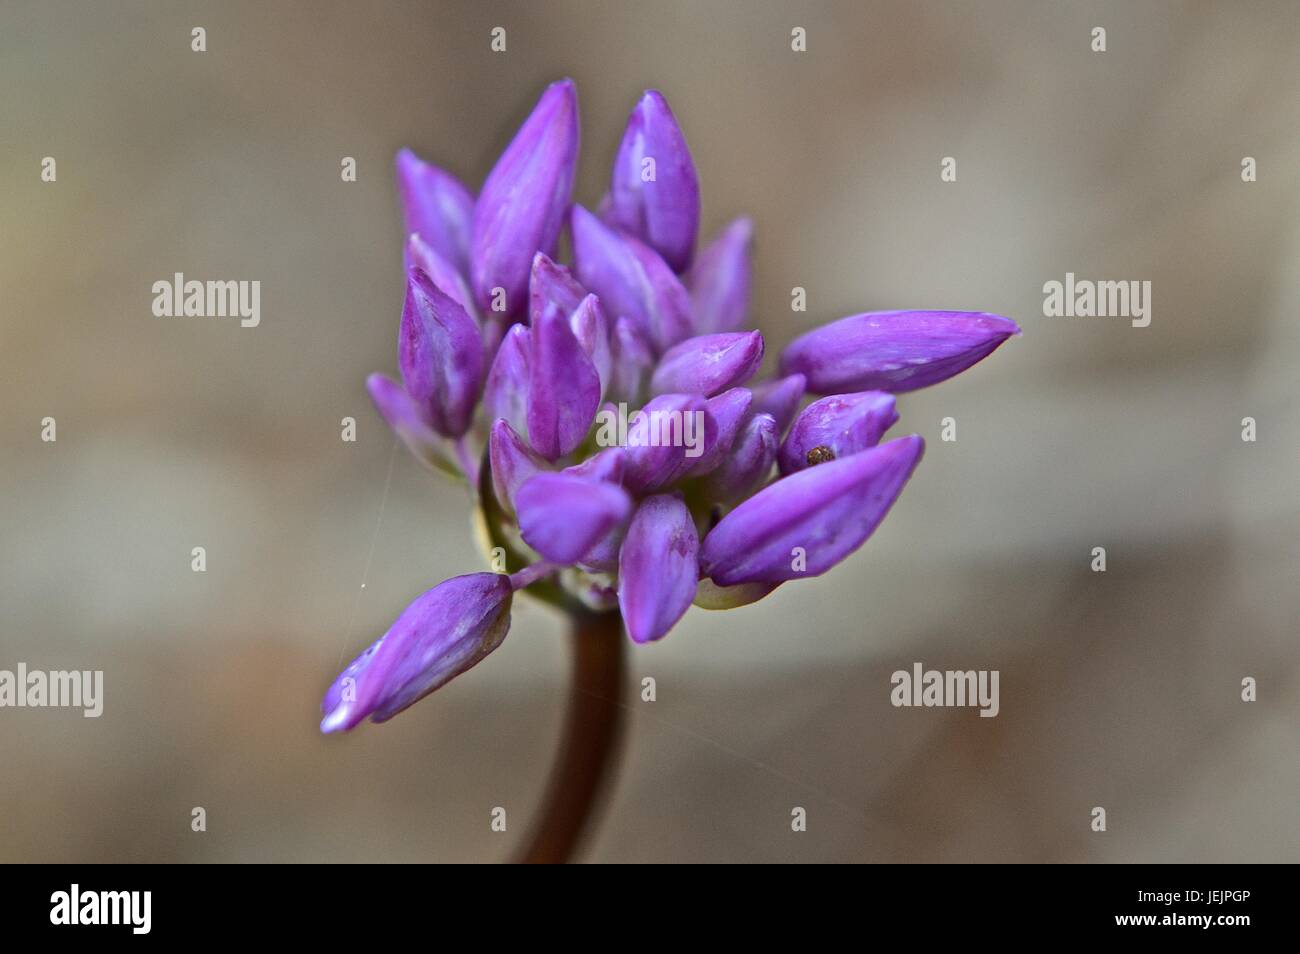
1118 689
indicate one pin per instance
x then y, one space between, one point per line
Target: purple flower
631 279
804 524
562 516
440 354
437 208
444 632
749 462
630 362
654 193
719 282
657 567
665 439
709 364
409 421
670 493
505 395
446 277
780 398
729 411
894 350
521 208
552 284
513 463
563 387
835 427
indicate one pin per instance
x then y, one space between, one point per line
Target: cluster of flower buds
717 490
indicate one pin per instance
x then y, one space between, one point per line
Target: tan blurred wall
1118 689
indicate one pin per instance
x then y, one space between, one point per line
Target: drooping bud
443 633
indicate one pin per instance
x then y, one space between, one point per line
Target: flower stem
592 729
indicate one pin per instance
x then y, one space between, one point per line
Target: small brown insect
820 455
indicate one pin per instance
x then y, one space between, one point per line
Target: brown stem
592 728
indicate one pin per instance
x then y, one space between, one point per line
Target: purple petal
835 427
657 567
410 422
631 360
591 328
729 411
804 524
505 395
665 439
552 284
708 364
654 192
513 463
440 635
720 280
606 465
437 207
440 355
563 387
631 279
562 516
780 398
441 272
747 464
894 350
521 208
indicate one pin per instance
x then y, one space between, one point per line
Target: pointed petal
657 567
631 279
729 411
437 207
563 387
505 395
441 272
591 328
562 516
747 464
521 208
708 364
606 465
837 426
665 439
440 355
631 360
780 398
513 463
409 422
804 524
443 633
894 350
720 280
552 284
654 191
